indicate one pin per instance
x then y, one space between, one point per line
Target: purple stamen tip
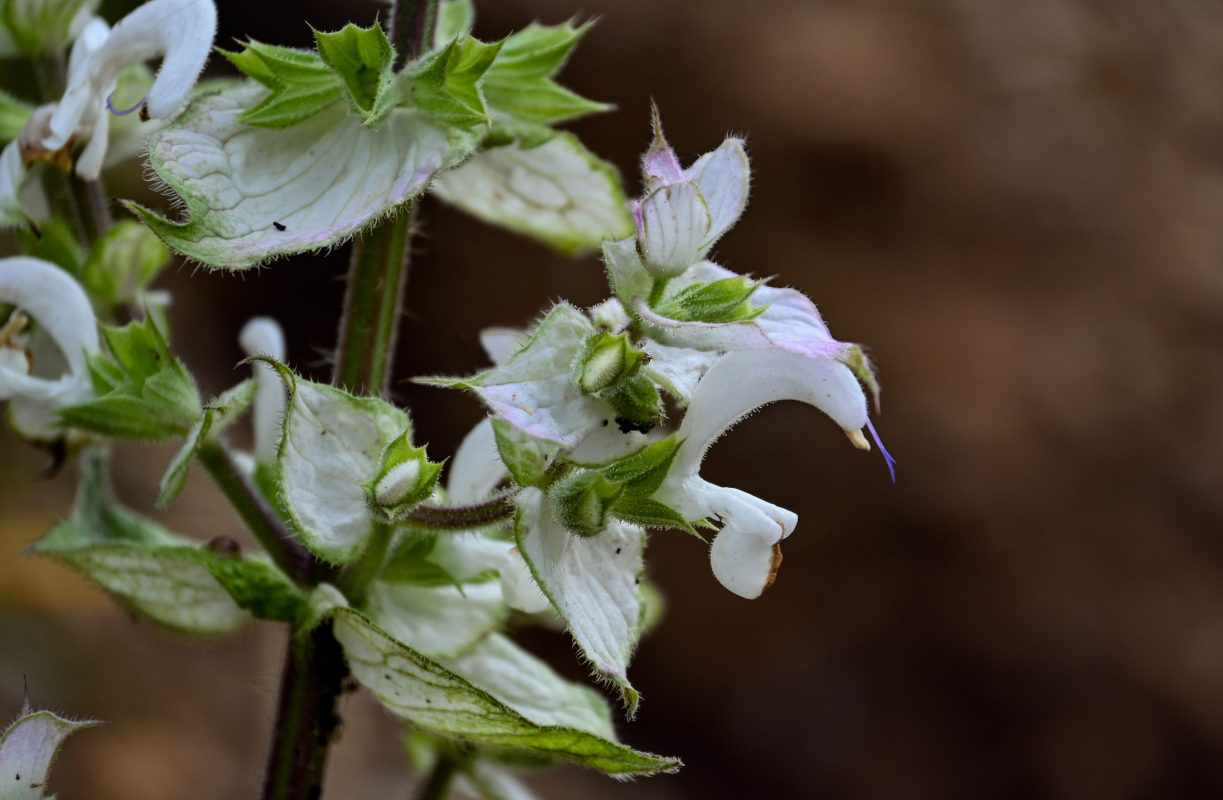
887 457
121 113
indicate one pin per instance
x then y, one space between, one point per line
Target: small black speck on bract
278 226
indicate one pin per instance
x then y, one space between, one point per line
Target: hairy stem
377 277
464 518
373 297
357 578
258 514
412 23
306 718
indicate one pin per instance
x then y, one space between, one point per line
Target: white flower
685 211
745 554
179 30
66 331
262 336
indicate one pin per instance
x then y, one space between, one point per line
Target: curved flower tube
181 31
262 336
51 297
745 554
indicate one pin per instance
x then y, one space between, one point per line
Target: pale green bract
28 747
495 697
332 443
558 192
253 194
593 583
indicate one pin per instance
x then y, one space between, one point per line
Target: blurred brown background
1018 207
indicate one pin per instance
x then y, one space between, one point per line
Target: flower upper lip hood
179 30
62 310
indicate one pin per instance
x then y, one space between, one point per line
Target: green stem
306 718
357 578
258 515
377 276
378 273
411 24
656 290
437 782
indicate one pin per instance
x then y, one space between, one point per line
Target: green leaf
496 697
27 748
718 301
454 20
122 263
520 83
163 576
301 83
13 116
557 192
364 58
446 83
217 415
144 392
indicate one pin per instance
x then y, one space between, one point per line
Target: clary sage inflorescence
405 568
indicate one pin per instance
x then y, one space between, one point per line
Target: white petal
677 369
744 560
501 343
93 35
723 177
262 336
51 296
741 382
180 31
743 553
12 176
790 322
476 468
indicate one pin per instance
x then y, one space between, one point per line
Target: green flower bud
405 479
606 361
582 499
